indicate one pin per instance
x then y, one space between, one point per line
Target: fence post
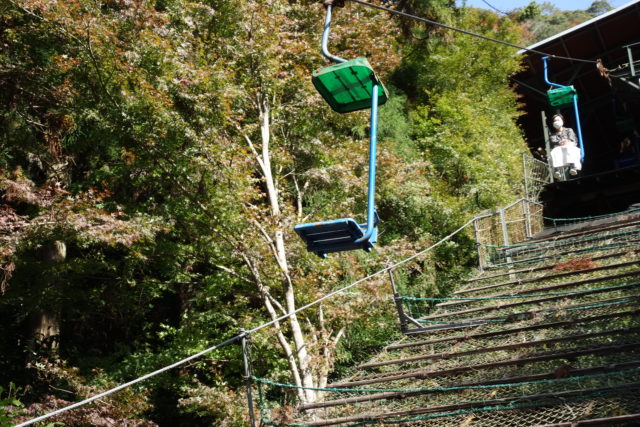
547 144
247 375
527 218
524 173
503 224
478 245
398 300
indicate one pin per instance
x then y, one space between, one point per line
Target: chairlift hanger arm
546 73
329 4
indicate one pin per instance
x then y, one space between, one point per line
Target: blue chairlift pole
575 107
373 139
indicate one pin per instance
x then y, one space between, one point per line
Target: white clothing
564 155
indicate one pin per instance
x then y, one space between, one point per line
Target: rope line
469 33
239 336
499 297
587 306
565 242
452 388
130 383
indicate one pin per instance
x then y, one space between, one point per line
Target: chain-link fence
512 224
536 175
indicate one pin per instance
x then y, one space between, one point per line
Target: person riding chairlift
565 151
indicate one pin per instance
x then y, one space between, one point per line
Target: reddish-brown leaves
576 264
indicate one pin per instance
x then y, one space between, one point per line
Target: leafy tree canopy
155 157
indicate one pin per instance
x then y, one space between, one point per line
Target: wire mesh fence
520 349
510 255
512 224
536 176
560 345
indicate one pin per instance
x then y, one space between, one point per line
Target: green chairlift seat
561 96
347 86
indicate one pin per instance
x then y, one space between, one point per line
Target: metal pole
547 144
505 239
477 237
527 219
575 107
524 173
578 126
247 376
373 140
325 38
398 300
631 64
503 224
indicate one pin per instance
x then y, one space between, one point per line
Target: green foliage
464 114
531 11
132 133
9 404
363 340
541 21
598 7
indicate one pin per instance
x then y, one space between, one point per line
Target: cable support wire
451 388
546 257
586 306
239 336
564 242
493 7
499 297
469 33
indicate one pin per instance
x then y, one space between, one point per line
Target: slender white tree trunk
302 371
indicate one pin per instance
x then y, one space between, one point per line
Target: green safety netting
347 86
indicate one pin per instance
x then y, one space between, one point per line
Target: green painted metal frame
348 86
561 96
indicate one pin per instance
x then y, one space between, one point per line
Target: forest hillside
155 157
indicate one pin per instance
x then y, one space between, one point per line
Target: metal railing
511 224
536 174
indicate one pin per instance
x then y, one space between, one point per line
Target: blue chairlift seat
336 235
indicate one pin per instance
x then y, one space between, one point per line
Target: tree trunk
264 160
44 325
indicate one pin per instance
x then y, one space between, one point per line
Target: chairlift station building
609 110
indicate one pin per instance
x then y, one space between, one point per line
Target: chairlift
347 86
561 96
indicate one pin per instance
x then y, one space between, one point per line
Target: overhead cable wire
469 33
493 7
130 383
241 335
